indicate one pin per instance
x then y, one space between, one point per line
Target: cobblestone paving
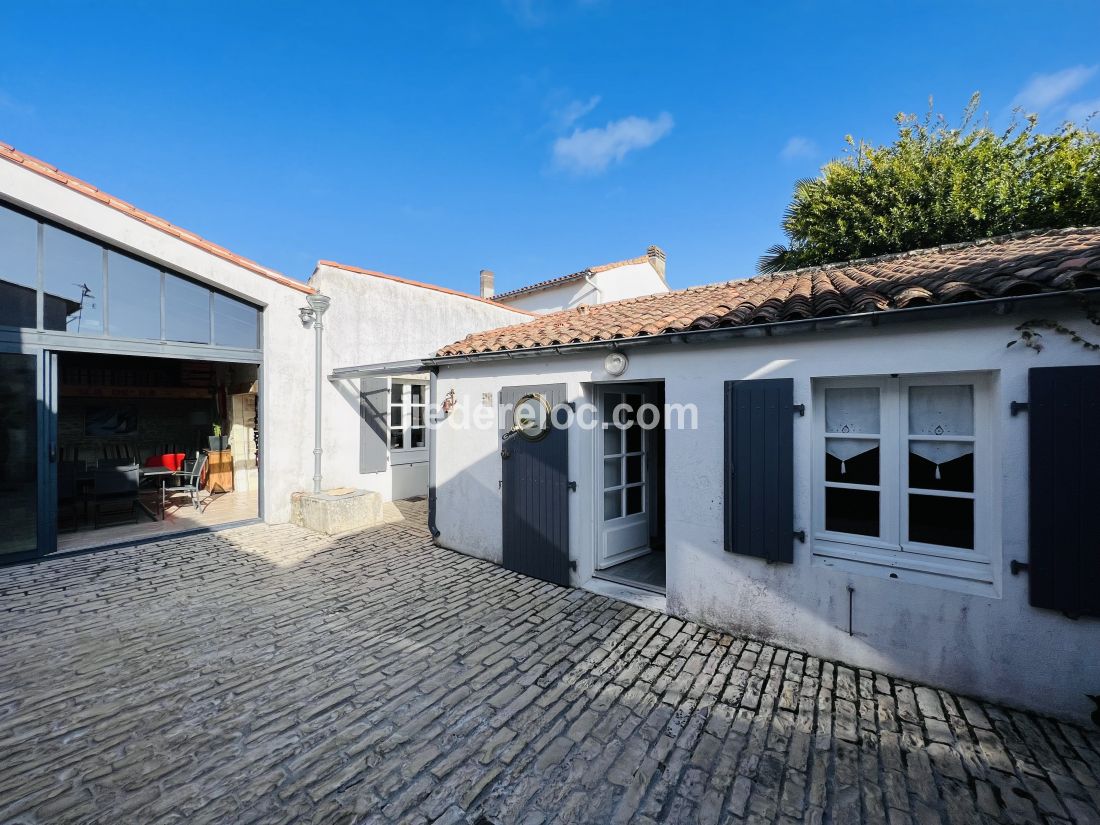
270 675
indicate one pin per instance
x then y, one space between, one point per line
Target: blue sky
530 137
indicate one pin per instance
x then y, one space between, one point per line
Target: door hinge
1017 567
800 409
573 565
800 535
572 485
1017 407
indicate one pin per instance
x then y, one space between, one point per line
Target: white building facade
125 339
905 543
632 278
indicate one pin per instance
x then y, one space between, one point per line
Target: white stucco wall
630 281
992 645
286 399
373 320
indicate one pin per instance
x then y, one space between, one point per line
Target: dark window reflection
18 269
633 500
134 298
860 469
72 271
953 475
634 438
186 311
948 522
18 453
851 511
235 323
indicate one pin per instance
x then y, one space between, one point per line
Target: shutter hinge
1017 567
1017 407
572 485
800 535
800 409
573 565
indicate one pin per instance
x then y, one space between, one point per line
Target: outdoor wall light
615 363
305 314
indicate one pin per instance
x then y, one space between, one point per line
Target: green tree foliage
939 184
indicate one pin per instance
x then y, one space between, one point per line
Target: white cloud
1080 112
574 110
1046 90
797 148
591 151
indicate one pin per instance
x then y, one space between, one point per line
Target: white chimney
656 257
486 283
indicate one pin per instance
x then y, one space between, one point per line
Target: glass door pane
19 440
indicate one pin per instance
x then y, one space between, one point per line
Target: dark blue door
535 483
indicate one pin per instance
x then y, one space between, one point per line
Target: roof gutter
963 309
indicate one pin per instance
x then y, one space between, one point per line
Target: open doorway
153 446
630 502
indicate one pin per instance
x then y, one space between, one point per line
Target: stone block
333 513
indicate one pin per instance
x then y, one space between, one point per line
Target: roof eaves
46 170
423 285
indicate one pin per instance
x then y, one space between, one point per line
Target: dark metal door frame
45 450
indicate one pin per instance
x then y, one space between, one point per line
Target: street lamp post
311 317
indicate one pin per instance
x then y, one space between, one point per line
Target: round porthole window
532 417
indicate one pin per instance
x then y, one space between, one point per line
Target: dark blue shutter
374 402
1064 488
759 471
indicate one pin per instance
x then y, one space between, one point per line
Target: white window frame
890 554
401 396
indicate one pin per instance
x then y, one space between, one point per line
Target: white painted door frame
625 471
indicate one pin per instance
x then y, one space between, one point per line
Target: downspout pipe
319 304
434 412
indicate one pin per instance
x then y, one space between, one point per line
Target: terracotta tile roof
1022 264
572 276
53 173
375 274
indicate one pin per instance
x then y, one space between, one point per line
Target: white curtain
941 411
851 410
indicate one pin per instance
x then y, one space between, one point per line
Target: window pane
18 270
852 410
397 439
397 418
633 469
941 465
948 522
612 440
851 511
612 505
417 416
633 439
236 324
947 410
186 311
416 437
633 500
73 282
417 393
133 298
612 472
852 461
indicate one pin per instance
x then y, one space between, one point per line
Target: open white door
624 520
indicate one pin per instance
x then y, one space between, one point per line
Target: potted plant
217 440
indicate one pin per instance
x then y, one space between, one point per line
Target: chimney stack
486 283
656 257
